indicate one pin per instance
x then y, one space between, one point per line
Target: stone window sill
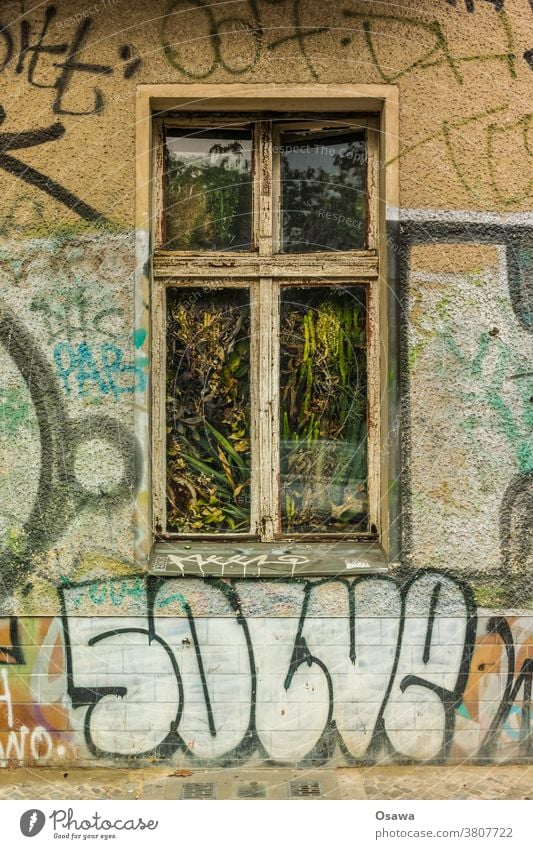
266 560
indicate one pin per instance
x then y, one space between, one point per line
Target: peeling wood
264 184
372 185
159 423
373 407
264 271
267 415
318 265
158 186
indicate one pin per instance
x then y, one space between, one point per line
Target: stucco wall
434 661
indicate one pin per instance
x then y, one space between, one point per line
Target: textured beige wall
465 88
465 76
282 661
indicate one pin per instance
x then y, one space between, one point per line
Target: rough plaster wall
469 150
69 168
67 429
470 365
69 365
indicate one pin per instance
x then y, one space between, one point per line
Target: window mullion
255 399
372 187
373 418
159 470
158 183
276 191
267 409
263 223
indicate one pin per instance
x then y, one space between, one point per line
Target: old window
265 329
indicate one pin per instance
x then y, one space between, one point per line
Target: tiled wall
334 680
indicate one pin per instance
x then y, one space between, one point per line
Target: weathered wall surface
96 660
310 672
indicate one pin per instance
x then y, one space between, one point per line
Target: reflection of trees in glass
324 206
208 411
209 200
323 402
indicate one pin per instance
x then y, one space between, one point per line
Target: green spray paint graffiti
450 137
79 310
14 411
222 31
496 380
439 51
514 421
427 41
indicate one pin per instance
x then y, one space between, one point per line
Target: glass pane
208 410
323 409
323 192
208 190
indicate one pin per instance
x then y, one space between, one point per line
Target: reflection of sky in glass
320 155
323 188
209 190
195 150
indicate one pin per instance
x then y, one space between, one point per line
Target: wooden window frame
264 271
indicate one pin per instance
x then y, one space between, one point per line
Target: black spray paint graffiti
498 6
31 138
337 669
517 239
60 496
516 531
32 47
470 5
12 654
515 680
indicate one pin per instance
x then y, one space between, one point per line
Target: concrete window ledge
266 560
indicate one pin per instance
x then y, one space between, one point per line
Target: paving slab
405 782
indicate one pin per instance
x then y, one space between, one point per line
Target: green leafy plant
208 411
323 410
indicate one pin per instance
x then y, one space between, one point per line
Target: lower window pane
208 410
323 410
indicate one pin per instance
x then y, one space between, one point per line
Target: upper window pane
323 191
208 190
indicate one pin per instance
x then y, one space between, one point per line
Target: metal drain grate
305 790
198 790
253 790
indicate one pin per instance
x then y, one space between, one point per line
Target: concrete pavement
373 782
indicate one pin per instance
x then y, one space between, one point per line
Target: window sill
266 560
